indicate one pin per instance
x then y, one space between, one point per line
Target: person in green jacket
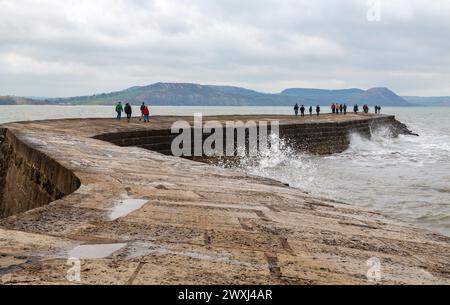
119 110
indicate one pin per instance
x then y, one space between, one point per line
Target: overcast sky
80 47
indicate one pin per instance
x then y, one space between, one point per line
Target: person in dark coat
128 111
302 110
142 111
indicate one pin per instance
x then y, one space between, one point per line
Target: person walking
302 110
146 114
296 109
345 109
128 111
366 109
119 110
142 111
310 111
356 109
318 110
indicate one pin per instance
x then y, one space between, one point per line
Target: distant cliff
165 94
14 100
375 96
184 94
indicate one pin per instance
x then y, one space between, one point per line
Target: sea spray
280 162
405 177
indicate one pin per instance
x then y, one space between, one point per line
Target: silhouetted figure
128 111
356 109
119 110
296 109
337 108
366 109
310 111
345 108
302 110
377 109
341 109
318 110
333 108
142 111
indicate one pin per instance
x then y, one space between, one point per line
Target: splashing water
281 162
405 177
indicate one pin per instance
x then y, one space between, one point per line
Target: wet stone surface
140 217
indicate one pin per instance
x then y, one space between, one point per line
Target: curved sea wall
29 178
318 138
333 137
135 216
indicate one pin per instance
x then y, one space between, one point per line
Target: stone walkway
140 217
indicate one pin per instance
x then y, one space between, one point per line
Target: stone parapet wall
29 178
317 138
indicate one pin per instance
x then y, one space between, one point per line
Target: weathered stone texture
198 224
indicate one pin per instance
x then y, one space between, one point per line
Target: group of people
303 110
335 109
366 109
339 109
145 112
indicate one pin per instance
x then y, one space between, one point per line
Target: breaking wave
404 177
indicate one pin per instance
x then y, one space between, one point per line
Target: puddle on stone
94 251
125 207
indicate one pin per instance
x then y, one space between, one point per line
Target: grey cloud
52 47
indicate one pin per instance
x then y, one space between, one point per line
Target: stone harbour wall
28 178
316 138
198 224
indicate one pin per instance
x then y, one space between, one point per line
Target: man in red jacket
146 113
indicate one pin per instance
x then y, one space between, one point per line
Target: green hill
163 94
185 94
14 100
372 97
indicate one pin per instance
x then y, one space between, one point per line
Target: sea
407 178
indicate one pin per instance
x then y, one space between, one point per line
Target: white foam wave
382 173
